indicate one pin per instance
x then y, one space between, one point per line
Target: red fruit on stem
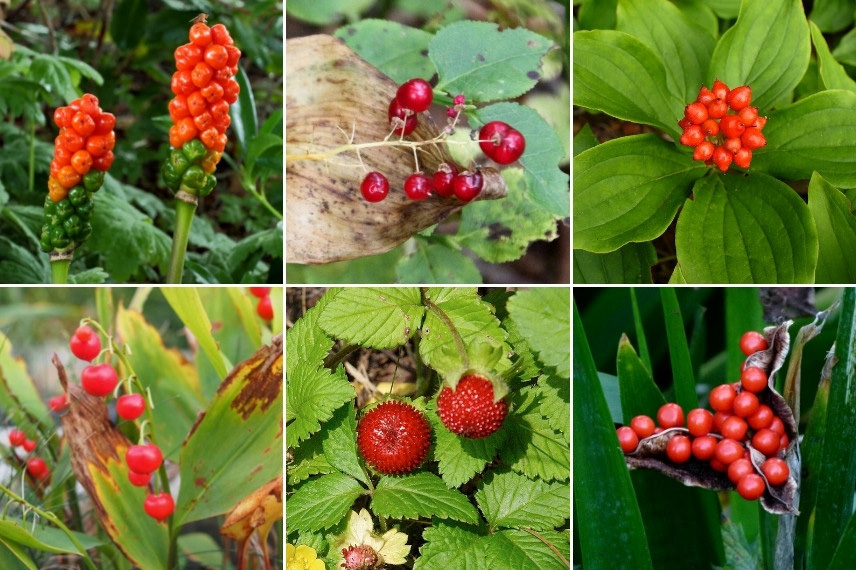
501 143
85 343
260 291
37 468
99 379
145 458
264 308
410 119
130 406
417 186
17 437
393 437
415 94
374 187
739 97
58 404
470 410
159 506
28 445
467 185
139 479
442 180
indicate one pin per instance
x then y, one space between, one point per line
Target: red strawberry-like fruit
394 437
130 406
159 506
37 468
470 410
144 458
58 404
85 343
360 557
17 437
99 379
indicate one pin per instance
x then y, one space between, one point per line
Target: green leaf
501 230
308 459
768 49
598 458
831 15
584 139
421 495
536 450
327 11
511 500
520 549
845 51
48 71
497 64
245 123
187 304
740 229
199 548
313 395
845 554
740 553
13 556
684 47
44 538
546 184
679 350
397 50
541 318
437 260
459 459
214 478
621 76
373 317
306 344
628 190
128 24
832 73
836 232
339 440
20 398
452 546
631 263
322 502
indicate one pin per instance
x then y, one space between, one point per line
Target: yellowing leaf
259 511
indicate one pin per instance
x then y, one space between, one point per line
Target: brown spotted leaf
331 94
98 461
257 512
651 451
236 444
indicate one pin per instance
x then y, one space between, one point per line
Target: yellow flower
302 558
392 546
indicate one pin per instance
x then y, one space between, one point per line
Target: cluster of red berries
264 308
446 181
394 437
720 137
720 438
36 466
204 87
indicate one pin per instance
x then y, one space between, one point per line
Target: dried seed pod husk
332 95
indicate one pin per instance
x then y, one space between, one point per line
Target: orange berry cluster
720 438
85 141
721 137
204 87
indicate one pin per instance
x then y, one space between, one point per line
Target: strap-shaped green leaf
621 76
768 49
832 73
628 190
836 232
741 229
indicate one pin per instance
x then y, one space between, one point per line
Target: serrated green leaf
536 450
452 546
312 395
520 549
832 73
836 232
510 500
629 190
373 317
435 260
397 50
621 76
306 343
501 230
307 459
554 393
541 317
48 71
768 49
546 184
683 46
777 238
498 64
630 263
421 495
339 439
322 502
459 459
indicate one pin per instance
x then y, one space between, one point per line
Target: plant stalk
59 267
184 211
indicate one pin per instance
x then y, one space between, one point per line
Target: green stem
32 167
59 268
183 218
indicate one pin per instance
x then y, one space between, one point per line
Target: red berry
679 449
37 468
743 157
696 113
58 404
467 185
85 343
749 115
745 404
692 135
734 428
751 342
732 145
670 415
415 94
28 445
501 143
705 96
704 447
728 451
139 479
776 471
752 138
130 406
766 441
720 90
739 97
731 126
703 150
751 487
393 437
374 187
722 158
144 458
17 437
627 439
717 109
360 557
762 418
753 379
443 178
739 469
159 506
459 100
643 426
417 186
410 120
260 291
264 308
710 127
470 410
99 379
777 425
699 422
